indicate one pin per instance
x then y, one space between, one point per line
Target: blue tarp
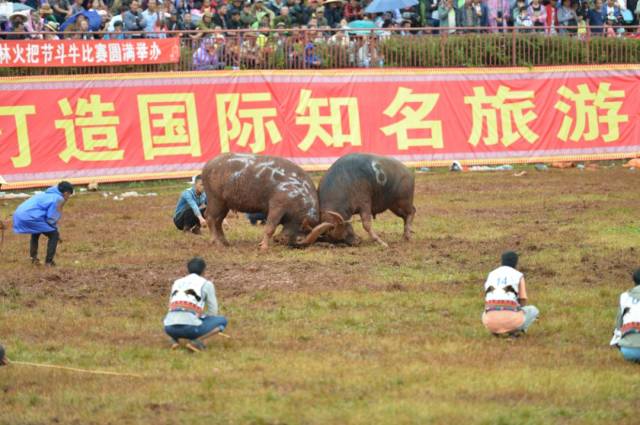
38 214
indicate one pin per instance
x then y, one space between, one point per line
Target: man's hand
203 222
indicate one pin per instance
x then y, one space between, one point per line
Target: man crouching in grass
505 310
190 210
188 322
626 335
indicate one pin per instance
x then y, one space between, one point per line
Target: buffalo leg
273 219
366 223
215 218
407 214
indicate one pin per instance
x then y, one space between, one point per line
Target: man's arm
522 292
54 212
210 297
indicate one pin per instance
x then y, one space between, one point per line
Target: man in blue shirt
189 214
39 215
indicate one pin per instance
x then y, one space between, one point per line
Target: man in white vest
626 335
193 309
505 309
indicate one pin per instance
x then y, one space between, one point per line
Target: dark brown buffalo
366 185
273 186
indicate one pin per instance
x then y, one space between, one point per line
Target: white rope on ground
74 369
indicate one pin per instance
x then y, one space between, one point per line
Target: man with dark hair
626 335
193 309
189 213
505 312
39 215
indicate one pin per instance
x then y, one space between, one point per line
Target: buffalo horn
316 232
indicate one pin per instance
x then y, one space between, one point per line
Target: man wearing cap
39 215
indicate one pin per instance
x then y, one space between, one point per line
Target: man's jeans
530 315
52 245
209 323
631 354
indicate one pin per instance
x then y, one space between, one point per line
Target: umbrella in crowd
95 20
8 9
378 6
362 26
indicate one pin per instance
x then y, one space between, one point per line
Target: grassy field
333 335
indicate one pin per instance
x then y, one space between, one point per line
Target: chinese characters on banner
172 125
50 53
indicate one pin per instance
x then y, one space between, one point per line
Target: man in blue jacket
189 213
39 215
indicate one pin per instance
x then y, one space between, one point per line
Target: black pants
52 244
187 219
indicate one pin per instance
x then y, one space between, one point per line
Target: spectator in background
449 16
284 18
207 57
82 26
612 15
300 12
367 55
221 19
523 20
207 6
567 17
235 5
333 13
206 23
260 12
118 17
551 11
320 18
117 33
353 11
236 22
247 16
275 6
151 16
311 60
188 25
474 14
46 13
77 7
596 19
493 8
61 10
538 13
133 19
51 30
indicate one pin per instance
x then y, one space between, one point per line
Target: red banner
46 53
123 127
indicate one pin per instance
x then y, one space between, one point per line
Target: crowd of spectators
207 24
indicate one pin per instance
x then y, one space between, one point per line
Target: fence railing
415 47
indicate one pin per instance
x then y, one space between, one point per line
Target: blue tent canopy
95 21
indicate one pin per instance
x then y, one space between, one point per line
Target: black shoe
35 261
50 264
